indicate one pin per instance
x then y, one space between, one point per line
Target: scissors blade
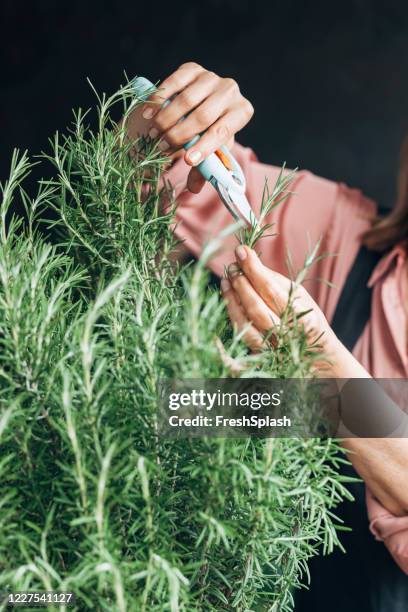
237 204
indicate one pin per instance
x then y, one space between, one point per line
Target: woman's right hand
214 105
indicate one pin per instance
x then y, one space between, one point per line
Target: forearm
381 462
257 296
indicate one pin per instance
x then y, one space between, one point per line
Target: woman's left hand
256 297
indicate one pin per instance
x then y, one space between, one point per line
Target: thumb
195 181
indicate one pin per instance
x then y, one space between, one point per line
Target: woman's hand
213 104
256 297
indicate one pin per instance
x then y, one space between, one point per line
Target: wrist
343 364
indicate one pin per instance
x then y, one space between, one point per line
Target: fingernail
241 253
194 157
148 113
163 146
225 285
234 270
153 133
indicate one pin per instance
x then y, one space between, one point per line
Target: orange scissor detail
225 159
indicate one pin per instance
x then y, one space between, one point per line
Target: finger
172 85
195 181
199 120
273 287
220 132
252 304
186 101
250 334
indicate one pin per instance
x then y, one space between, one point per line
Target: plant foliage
93 500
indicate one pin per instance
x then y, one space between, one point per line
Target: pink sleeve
390 529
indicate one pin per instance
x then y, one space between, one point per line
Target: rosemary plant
93 500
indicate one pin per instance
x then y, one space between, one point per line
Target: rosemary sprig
270 200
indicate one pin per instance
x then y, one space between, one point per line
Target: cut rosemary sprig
280 193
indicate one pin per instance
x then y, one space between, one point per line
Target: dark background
328 79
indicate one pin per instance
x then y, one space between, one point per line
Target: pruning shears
220 168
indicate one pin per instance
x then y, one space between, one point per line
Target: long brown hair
386 232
